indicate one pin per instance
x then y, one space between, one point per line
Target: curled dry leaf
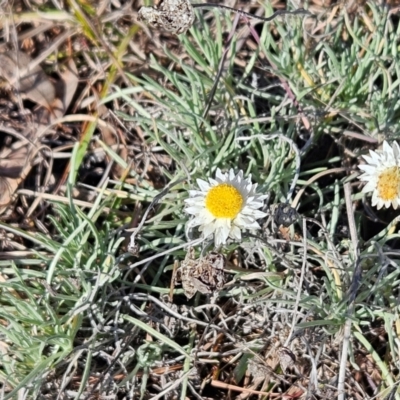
286 358
13 162
67 85
175 16
7 188
258 369
30 81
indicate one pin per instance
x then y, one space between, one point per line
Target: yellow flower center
389 183
224 201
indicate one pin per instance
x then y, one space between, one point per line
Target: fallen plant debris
205 274
29 81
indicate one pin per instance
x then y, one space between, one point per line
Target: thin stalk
352 293
301 11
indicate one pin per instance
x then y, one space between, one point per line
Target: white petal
368 159
200 200
220 176
387 148
376 200
213 182
194 193
195 222
243 221
396 150
207 217
195 199
376 157
236 233
253 204
224 226
262 197
369 169
208 230
221 234
254 226
219 238
193 210
257 214
203 185
223 223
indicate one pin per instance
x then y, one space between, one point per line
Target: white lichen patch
175 16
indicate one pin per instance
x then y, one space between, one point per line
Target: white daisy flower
382 174
225 205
